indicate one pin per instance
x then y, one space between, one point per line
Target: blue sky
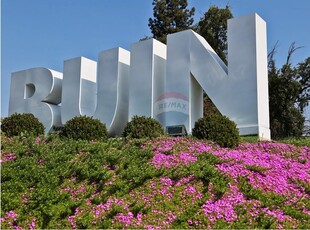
44 33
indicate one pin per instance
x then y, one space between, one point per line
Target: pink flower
190 189
33 224
37 141
11 215
224 207
8 157
121 218
166 181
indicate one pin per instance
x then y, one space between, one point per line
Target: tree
170 16
303 76
307 128
213 27
208 106
303 99
288 96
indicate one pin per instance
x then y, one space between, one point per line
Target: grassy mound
161 183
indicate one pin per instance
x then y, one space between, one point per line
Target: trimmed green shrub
24 123
142 127
217 128
84 128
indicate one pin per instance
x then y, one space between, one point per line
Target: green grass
299 141
249 138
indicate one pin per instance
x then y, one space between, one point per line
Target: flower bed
162 183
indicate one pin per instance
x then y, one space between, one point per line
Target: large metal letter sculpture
79 89
147 76
153 80
241 92
37 91
113 91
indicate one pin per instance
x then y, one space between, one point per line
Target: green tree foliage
303 77
288 96
307 128
209 107
18 124
170 16
213 27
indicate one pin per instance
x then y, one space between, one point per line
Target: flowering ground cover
153 184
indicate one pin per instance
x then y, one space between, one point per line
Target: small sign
176 130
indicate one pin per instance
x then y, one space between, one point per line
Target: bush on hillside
142 127
217 128
84 128
24 123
